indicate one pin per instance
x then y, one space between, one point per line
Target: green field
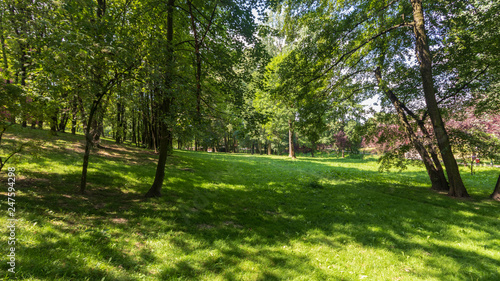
240 217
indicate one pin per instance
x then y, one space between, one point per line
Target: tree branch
463 86
350 52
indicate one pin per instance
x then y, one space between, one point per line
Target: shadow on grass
248 209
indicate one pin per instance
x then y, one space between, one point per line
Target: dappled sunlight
236 217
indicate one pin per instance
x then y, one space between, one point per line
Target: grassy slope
241 217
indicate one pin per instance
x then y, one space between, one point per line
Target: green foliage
475 142
12 100
394 159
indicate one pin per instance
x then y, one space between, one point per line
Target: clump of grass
315 183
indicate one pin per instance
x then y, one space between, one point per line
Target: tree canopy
262 76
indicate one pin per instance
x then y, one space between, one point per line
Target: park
250 140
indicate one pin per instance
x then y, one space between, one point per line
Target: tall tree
88 57
433 167
165 101
457 187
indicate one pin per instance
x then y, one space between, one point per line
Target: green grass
241 217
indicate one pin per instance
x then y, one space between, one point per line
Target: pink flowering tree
387 137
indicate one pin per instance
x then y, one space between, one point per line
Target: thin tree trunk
120 128
118 120
165 140
98 126
64 121
89 139
313 149
134 138
155 190
53 123
153 124
457 188
73 117
124 126
291 145
146 132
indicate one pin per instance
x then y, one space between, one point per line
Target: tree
427 154
165 101
87 56
352 30
457 188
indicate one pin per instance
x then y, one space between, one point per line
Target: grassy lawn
241 217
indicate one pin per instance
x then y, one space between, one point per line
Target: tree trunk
457 188
89 139
153 122
145 131
134 139
97 126
443 186
496 192
73 125
155 190
165 136
435 175
86 156
291 145
74 109
139 130
64 121
53 123
117 135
